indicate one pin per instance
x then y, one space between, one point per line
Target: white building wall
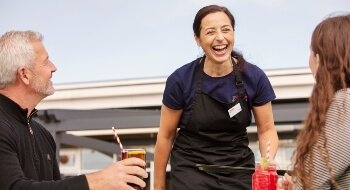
288 84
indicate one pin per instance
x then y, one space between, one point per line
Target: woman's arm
266 129
167 131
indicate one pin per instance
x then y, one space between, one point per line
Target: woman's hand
275 163
286 183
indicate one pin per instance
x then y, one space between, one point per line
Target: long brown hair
331 41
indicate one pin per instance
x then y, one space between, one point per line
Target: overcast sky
101 40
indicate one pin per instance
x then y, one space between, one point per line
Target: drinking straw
268 150
118 140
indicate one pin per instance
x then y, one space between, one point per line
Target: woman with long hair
322 156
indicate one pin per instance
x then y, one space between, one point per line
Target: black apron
212 137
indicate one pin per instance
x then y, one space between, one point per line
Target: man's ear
24 74
198 41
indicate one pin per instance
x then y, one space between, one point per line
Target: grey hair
16 51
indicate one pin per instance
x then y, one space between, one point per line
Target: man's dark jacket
28 153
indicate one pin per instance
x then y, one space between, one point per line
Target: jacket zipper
28 122
32 134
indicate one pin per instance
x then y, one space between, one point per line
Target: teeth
219 47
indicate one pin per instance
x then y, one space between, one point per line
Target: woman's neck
218 69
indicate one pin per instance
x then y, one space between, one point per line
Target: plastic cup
134 153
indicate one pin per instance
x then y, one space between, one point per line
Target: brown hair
214 9
207 10
331 41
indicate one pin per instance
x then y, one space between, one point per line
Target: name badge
234 110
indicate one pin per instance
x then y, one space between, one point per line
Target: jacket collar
14 110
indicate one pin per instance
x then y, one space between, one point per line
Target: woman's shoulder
188 67
184 72
253 69
343 93
342 97
254 73
339 109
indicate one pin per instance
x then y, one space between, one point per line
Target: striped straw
268 150
118 140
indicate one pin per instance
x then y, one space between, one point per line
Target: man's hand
117 175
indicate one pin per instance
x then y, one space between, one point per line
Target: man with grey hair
28 151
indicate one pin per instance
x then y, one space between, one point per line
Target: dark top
181 85
213 136
28 153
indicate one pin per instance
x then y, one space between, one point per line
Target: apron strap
239 82
200 75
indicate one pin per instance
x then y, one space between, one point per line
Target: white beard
45 88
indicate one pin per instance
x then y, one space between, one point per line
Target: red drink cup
264 178
273 178
136 153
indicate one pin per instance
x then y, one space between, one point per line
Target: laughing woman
210 100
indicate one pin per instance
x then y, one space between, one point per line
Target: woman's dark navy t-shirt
181 86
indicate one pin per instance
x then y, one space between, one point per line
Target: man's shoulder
6 126
5 120
3 116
